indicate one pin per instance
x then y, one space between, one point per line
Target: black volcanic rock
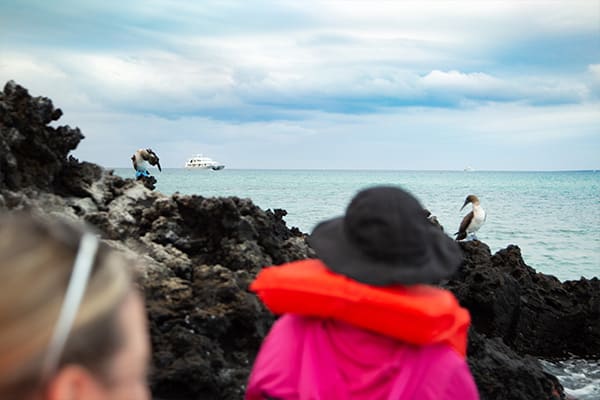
200 254
532 312
500 373
31 152
148 181
205 332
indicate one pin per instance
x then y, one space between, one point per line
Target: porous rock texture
532 312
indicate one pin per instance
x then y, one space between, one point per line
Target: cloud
495 136
480 86
471 85
594 79
227 61
171 85
595 70
313 79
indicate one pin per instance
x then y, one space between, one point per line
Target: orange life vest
418 314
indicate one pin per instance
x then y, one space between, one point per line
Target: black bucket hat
385 239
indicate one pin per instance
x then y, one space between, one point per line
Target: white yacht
201 162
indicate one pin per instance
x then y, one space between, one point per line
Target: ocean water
554 217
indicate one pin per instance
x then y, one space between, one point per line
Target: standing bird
473 220
141 159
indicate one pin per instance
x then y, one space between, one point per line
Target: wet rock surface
201 253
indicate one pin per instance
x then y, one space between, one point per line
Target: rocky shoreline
200 254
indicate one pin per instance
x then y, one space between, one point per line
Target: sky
399 85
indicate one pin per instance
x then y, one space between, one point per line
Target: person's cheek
142 392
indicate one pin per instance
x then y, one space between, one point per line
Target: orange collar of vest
418 314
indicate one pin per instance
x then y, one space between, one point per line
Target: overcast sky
498 85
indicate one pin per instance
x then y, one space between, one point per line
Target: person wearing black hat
384 239
363 321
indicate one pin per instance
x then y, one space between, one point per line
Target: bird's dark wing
462 231
134 162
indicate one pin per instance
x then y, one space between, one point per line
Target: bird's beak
158 165
464 205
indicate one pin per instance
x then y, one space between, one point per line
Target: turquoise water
554 217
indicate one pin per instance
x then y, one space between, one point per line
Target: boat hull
204 167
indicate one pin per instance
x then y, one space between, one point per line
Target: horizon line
382 169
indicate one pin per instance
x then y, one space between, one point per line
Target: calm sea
554 217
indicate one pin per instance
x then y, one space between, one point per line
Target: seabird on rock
473 220
141 159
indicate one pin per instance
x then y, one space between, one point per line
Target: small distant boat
201 162
468 169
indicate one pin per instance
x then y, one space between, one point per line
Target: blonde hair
36 263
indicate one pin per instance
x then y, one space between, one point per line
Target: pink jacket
307 358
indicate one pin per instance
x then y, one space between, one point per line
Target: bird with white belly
141 158
473 220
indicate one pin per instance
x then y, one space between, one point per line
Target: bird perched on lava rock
473 220
141 158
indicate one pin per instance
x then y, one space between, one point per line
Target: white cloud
496 136
44 77
210 56
458 83
166 83
481 86
594 74
312 78
519 124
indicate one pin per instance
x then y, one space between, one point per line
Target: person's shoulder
292 322
442 354
303 321
289 327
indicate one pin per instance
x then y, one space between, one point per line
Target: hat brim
330 242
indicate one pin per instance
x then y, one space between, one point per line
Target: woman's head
105 349
385 239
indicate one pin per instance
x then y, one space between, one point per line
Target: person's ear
72 382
